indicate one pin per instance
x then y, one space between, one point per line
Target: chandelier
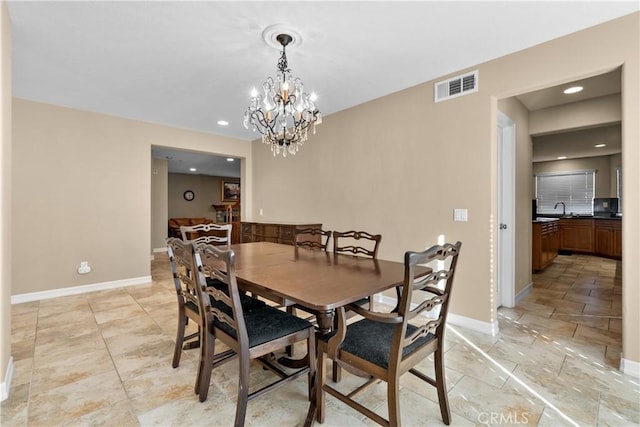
283 113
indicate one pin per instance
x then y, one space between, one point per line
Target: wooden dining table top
317 280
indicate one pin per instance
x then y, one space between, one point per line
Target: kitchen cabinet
577 235
273 232
546 241
608 238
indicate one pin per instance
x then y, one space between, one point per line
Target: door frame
506 134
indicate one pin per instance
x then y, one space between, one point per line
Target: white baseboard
157 251
523 293
75 290
489 328
630 367
5 386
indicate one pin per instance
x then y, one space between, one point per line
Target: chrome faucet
564 208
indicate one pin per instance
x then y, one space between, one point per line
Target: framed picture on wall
230 191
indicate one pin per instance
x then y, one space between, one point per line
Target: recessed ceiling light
573 89
229 159
223 123
600 145
192 169
562 157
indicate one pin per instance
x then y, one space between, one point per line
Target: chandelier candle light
283 113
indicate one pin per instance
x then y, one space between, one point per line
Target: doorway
188 183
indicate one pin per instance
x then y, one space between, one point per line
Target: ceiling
581 142
190 64
182 161
594 87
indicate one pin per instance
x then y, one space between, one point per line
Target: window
619 185
573 188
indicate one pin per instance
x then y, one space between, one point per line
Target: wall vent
456 86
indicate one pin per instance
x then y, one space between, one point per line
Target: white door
506 211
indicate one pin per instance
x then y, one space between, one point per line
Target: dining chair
383 346
182 268
358 243
218 234
250 334
182 264
312 238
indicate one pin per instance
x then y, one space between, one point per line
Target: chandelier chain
283 63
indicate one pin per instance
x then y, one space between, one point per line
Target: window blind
574 188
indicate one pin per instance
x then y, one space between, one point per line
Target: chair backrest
425 293
221 304
182 266
217 234
354 243
312 238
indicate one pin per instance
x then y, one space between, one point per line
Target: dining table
318 281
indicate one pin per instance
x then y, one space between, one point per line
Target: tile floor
104 358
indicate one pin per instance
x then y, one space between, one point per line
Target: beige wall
605 186
159 207
520 115
82 188
5 194
400 164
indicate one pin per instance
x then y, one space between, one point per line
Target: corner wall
159 203
82 183
5 203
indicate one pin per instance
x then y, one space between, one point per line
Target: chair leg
289 349
441 385
200 371
177 351
393 401
320 379
243 393
311 353
336 372
207 350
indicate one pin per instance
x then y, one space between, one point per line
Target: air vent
456 86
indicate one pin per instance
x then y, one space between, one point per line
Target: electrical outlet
260 211
84 267
460 215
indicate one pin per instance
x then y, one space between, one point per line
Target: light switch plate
460 215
